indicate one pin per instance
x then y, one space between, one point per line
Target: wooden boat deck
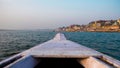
60 47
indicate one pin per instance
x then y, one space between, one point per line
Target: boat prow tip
59 36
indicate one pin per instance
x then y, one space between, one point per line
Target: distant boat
60 53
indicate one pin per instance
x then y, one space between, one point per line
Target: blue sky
50 14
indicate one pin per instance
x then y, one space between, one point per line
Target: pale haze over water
49 14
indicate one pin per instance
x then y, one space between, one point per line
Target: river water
15 41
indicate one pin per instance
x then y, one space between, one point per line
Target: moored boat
60 52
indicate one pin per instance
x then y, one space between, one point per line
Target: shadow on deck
58 63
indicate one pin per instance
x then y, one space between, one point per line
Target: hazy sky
44 14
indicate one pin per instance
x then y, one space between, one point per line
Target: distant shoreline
94 26
94 31
59 31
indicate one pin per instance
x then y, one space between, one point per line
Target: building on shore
99 26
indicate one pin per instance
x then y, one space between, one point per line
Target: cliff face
100 25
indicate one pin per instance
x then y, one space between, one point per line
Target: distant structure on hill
94 26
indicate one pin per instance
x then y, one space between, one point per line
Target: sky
51 14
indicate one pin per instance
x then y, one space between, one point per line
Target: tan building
118 20
114 27
95 25
76 28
